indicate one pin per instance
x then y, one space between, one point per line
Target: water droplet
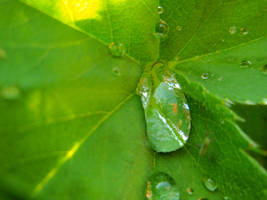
205 76
245 63
178 28
161 186
228 102
248 102
2 53
116 71
210 184
232 30
190 191
164 106
243 31
116 50
10 92
225 198
160 10
162 29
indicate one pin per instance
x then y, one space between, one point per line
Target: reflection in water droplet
178 28
116 50
162 29
161 186
243 31
245 63
190 191
10 92
160 10
264 101
116 71
205 76
232 30
2 53
225 198
210 184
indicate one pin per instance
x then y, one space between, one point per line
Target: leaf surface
216 39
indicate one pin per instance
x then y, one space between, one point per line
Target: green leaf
71 125
130 23
64 85
216 38
224 159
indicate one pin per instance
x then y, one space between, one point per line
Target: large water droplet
210 184
116 50
160 10
245 63
2 53
116 71
10 92
162 29
161 186
232 30
205 76
166 110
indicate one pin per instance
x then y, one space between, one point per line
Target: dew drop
232 30
2 53
243 31
116 71
116 50
160 10
210 184
228 102
248 102
190 191
162 29
10 92
178 28
205 76
161 186
245 63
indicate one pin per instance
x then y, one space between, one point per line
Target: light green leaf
126 22
216 39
